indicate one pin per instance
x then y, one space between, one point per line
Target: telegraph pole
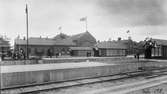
27 53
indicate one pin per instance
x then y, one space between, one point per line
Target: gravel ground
160 89
83 88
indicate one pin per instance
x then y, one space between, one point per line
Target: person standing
138 55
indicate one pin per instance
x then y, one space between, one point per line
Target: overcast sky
106 18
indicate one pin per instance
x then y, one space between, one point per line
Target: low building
81 51
160 49
111 48
130 44
43 46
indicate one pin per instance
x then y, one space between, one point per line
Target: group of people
15 55
137 55
19 55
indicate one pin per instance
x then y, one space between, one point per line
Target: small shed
160 50
111 48
4 46
81 51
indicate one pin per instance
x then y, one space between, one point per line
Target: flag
59 27
26 10
83 19
127 31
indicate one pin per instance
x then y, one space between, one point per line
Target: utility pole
27 53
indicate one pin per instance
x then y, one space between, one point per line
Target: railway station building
60 44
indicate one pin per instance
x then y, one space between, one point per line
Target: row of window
110 52
115 52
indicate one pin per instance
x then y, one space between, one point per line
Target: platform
40 67
21 75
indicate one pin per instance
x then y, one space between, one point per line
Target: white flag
83 19
60 28
128 31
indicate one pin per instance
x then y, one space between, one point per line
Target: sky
106 19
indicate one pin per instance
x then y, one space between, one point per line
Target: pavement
130 87
38 67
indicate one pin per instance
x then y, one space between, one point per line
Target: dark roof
78 36
35 41
67 40
80 48
82 38
64 42
4 43
111 44
61 36
160 41
73 37
43 41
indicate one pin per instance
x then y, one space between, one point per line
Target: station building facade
58 45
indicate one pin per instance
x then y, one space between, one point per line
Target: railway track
31 88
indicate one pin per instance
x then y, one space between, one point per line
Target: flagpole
86 24
27 55
60 29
